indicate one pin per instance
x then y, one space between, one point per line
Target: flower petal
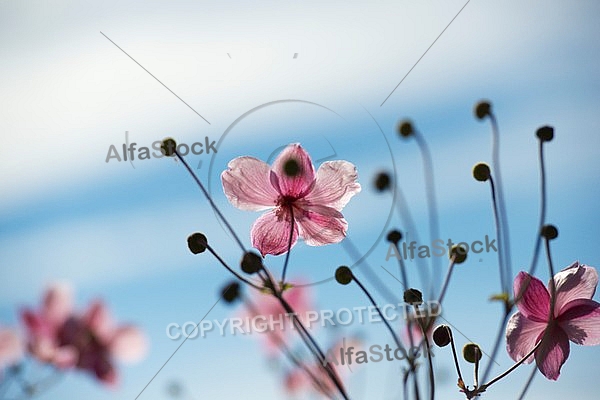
65 357
577 281
535 301
128 344
11 347
298 185
522 335
35 325
270 233
99 321
247 184
552 353
322 225
58 304
580 319
335 184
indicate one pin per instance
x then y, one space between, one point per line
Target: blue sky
119 231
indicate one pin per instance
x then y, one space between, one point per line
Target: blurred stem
210 200
431 201
528 383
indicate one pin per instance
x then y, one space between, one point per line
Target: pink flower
268 311
295 194
91 341
576 317
11 348
298 380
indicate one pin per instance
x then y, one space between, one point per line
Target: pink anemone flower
303 203
575 317
89 341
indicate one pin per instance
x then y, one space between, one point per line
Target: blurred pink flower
90 341
298 379
11 348
575 317
267 309
295 193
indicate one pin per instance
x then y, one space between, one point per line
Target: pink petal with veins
336 183
580 319
577 281
552 353
299 184
521 336
247 184
535 303
270 233
128 344
322 227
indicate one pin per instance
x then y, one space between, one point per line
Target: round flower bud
459 253
251 262
382 181
442 335
405 128
231 292
545 133
197 243
168 147
471 353
343 275
394 236
481 172
413 296
291 167
549 232
483 109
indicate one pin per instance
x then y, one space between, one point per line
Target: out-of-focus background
117 230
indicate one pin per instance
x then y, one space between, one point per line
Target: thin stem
552 283
405 384
416 384
210 200
381 288
447 279
406 216
385 321
456 364
402 268
476 369
431 201
285 349
538 242
223 263
430 361
289 248
528 383
320 355
499 237
501 203
511 369
496 348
